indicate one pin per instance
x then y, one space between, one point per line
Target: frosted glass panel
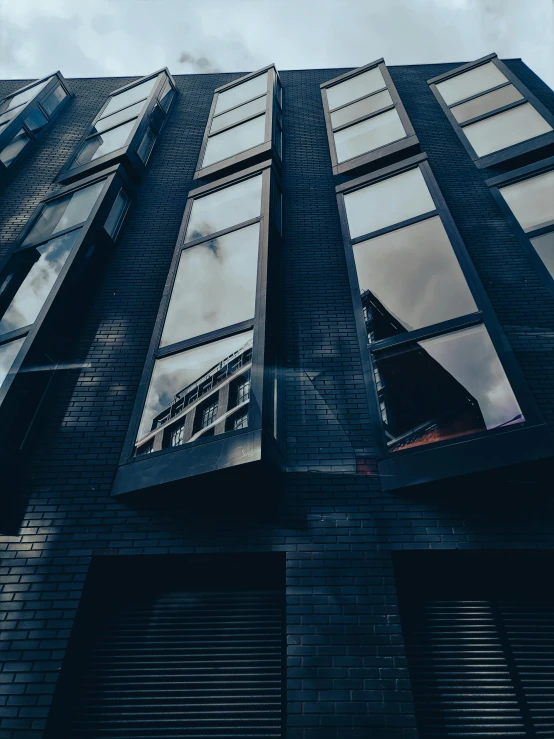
238 114
506 129
354 88
532 201
471 83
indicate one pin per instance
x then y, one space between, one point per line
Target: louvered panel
186 664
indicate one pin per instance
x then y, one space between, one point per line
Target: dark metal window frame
126 154
261 439
17 123
520 175
510 152
268 149
49 324
385 154
475 452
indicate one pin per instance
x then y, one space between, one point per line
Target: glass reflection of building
211 405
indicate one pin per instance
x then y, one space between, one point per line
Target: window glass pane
215 286
23 97
117 213
115 118
51 102
8 355
445 387
486 103
506 129
532 201
391 201
238 114
368 135
354 88
104 144
235 140
166 96
194 376
410 278
363 107
133 95
5 118
545 249
471 83
65 212
35 288
225 208
16 145
241 93
35 121
146 145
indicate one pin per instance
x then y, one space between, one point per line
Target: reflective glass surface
241 93
486 103
8 355
471 83
545 249
225 208
411 278
387 202
35 288
66 212
117 213
368 135
354 88
235 140
238 114
130 96
445 387
35 121
23 97
123 115
215 286
51 102
360 109
16 145
506 129
6 117
182 373
532 200
105 143
166 96
146 145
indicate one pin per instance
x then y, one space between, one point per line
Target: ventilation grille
185 664
482 668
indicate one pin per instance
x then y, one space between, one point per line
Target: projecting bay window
244 125
495 116
207 397
126 128
39 280
440 371
367 125
26 113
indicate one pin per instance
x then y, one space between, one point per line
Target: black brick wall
347 673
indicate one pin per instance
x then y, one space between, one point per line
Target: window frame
462 454
43 336
510 152
17 123
260 441
126 154
384 154
496 184
249 157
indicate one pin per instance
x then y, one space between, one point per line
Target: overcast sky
86 38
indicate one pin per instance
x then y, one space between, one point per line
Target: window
527 196
243 122
126 128
26 113
437 374
493 113
210 330
366 121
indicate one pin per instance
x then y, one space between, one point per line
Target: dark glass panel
146 145
225 208
234 141
471 83
360 109
443 388
23 97
241 93
117 213
368 135
532 201
166 96
35 121
109 141
16 145
486 103
215 286
545 249
354 88
238 114
35 288
506 129
112 120
410 278
51 102
8 355
129 97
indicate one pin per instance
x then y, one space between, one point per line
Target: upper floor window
244 124
496 117
26 113
366 121
125 129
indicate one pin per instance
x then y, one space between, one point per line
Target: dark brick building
369 553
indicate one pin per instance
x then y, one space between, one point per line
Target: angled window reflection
368 135
241 93
234 140
8 355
